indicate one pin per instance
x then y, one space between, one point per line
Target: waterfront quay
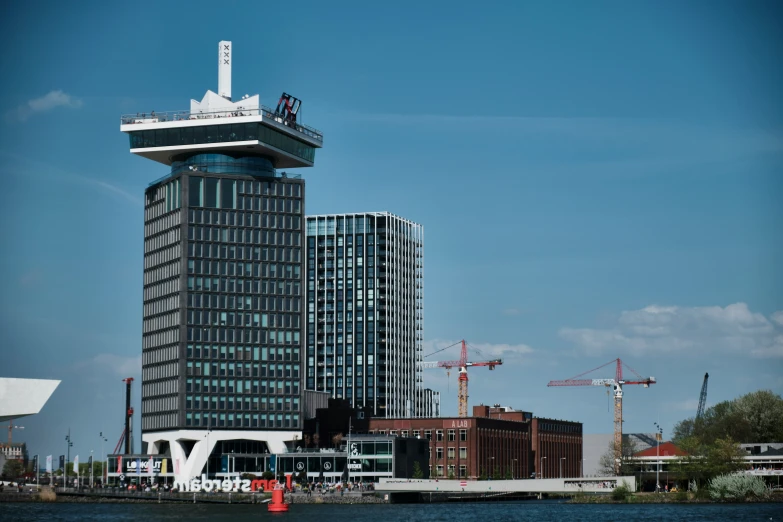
116 495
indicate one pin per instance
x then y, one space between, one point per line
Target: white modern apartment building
365 312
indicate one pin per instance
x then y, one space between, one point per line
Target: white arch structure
190 466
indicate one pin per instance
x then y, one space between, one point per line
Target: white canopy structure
23 397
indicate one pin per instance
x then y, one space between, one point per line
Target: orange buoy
277 504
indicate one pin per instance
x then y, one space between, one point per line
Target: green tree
13 469
417 472
706 461
496 474
754 417
509 476
764 412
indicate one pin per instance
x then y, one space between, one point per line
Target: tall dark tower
224 240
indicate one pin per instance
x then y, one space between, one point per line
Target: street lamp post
348 451
68 444
92 485
209 452
542 467
561 466
103 458
658 436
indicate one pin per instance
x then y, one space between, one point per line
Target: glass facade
223 310
224 164
364 312
365 460
225 133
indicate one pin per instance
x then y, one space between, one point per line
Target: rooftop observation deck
166 136
179 116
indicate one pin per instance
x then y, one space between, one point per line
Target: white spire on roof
224 69
221 101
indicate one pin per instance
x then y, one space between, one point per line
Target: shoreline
142 498
667 498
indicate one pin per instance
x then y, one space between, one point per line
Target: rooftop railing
168 116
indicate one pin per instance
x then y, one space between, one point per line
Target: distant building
15 451
495 441
365 312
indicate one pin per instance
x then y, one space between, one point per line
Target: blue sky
596 180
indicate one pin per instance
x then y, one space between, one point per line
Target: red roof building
666 449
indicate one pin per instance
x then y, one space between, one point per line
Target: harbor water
538 511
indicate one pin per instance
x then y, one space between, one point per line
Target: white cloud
685 330
47 102
778 317
476 351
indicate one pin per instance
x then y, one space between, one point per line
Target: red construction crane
118 447
462 364
617 383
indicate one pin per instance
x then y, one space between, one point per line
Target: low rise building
497 441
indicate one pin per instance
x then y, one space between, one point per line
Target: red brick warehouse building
495 441
557 448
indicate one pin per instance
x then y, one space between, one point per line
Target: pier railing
168 496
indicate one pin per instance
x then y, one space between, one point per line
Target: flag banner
48 463
150 466
176 467
119 463
163 467
89 461
138 466
76 464
62 462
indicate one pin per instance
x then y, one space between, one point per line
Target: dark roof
772 452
